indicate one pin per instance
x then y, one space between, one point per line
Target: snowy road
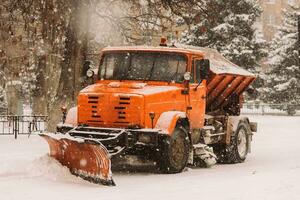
272 171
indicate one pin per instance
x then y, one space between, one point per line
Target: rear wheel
175 151
237 151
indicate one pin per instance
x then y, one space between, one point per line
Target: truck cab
136 87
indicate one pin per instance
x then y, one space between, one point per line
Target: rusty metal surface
220 88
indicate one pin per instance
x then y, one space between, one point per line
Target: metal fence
3 111
20 125
270 109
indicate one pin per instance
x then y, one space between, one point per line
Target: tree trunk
70 81
39 96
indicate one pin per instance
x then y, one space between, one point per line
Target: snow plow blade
85 158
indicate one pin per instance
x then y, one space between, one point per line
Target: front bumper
116 140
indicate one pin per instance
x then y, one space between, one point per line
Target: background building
271 17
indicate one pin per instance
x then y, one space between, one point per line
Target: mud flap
85 158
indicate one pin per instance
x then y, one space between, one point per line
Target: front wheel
175 151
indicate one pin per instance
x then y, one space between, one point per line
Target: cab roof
148 48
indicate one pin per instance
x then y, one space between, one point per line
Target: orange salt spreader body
175 106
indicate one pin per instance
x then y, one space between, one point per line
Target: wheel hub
177 151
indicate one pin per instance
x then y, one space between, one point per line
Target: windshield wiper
175 74
125 75
151 70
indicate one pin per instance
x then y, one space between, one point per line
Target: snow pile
24 159
43 167
49 168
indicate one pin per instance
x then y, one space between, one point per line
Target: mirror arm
185 91
198 85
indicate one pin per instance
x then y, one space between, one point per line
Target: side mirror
202 69
86 67
90 73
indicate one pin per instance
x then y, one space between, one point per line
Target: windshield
156 66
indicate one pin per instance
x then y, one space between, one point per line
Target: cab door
197 96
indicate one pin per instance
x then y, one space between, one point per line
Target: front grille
124 100
121 109
94 101
110 110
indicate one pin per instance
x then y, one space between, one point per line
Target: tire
174 151
237 151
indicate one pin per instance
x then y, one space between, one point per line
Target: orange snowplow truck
174 106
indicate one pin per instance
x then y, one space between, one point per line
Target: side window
193 72
197 64
202 69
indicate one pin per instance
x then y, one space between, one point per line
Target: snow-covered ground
271 171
